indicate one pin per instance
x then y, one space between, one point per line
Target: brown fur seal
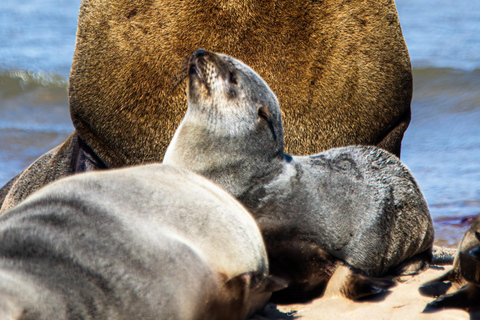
341 71
150 242
359 205
463 281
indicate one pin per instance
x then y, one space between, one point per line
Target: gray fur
152 242
360 204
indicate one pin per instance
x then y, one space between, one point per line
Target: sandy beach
400 303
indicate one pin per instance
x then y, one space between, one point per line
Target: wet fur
341 71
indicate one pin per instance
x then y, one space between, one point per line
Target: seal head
231 110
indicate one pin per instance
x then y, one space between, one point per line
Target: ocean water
441 146
442 143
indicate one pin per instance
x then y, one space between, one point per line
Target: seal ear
266 115
353 285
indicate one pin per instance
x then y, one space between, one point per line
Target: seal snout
199 52
198 64
204 70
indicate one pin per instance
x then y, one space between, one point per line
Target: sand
401 302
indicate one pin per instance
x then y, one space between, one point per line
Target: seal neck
236 164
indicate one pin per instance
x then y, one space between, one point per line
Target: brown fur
340 69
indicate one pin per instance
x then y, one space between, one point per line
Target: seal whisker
176 80
181 75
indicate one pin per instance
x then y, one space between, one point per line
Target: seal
150 242
359 205
340 69
462 282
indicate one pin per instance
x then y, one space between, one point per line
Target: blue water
442 33
38 35
441 146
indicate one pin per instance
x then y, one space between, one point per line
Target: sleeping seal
358 205
463 281
341 70
152 242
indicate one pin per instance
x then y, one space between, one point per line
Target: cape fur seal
151 242
341 71
463 281
359 205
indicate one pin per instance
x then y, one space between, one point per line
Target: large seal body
152 242
359 205
340 69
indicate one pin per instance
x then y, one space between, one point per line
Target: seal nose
199 53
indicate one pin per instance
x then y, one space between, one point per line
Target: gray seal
150 242
358 205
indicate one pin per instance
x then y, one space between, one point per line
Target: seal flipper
439 286
353 285
465 298
273 283
244 294
360 286
414 265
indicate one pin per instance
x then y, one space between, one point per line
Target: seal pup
358 205
150 242
341 70
462 282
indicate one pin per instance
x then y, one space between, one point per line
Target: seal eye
232 78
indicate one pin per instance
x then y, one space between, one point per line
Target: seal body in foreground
341 71
151 242
462 283
359 205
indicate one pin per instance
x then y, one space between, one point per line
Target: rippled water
441 146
